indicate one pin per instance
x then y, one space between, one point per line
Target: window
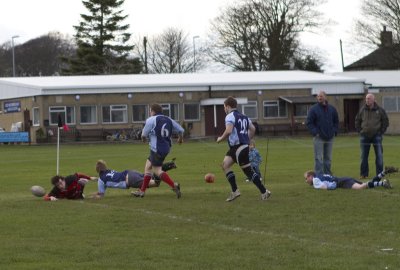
140 113
36 117
191 112
391 104
275 109
88 114
250 109
170 110
67 115
301 109
115 114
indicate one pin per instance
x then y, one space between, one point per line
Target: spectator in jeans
371 122
322 122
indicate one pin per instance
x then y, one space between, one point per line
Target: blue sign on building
12 106
14 137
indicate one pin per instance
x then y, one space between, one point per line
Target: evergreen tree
102 41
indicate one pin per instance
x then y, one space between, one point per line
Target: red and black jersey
73 189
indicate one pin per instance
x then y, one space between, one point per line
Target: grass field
298 228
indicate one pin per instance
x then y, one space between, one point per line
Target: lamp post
194 53
13 55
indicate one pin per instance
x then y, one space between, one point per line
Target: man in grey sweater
371 122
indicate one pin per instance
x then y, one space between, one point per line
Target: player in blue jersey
330 182
125 179
239 130
158 129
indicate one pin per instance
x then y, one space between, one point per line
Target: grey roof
383 58
58 85
299 99
376 78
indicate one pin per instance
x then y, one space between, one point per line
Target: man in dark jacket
371 122
323 123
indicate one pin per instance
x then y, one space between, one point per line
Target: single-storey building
385 85
96 106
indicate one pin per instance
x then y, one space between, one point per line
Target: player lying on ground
125 179
327 181
69 187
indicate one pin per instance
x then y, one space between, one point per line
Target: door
27 121
211 130
351 108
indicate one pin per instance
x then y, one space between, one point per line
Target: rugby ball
38 191
209 178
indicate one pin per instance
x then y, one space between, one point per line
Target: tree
374 15
255 35
307 59
37 57
42 56
102 41
5 60
169 52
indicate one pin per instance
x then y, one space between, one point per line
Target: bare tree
42 56
37 57
5 60
376 14
258 35
169 52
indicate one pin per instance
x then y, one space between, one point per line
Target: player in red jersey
69 187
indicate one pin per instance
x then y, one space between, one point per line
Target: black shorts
346 182
239 154
156 159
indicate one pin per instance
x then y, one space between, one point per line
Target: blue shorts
156 159
346 182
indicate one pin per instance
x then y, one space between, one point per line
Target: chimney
386 38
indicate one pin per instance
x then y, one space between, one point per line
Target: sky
30 19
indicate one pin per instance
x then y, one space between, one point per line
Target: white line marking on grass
385 193
256 232
300 142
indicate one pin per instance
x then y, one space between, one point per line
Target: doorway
211 130
351 108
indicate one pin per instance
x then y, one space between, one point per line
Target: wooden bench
74 134
282 129
65 135
275 129
98 134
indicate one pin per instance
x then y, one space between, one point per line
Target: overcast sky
32 18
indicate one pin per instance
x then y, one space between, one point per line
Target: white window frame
387 99
197 112
251 104
35 116
68 119
274 103
308 106
115 108
166 110
95 115
146 112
